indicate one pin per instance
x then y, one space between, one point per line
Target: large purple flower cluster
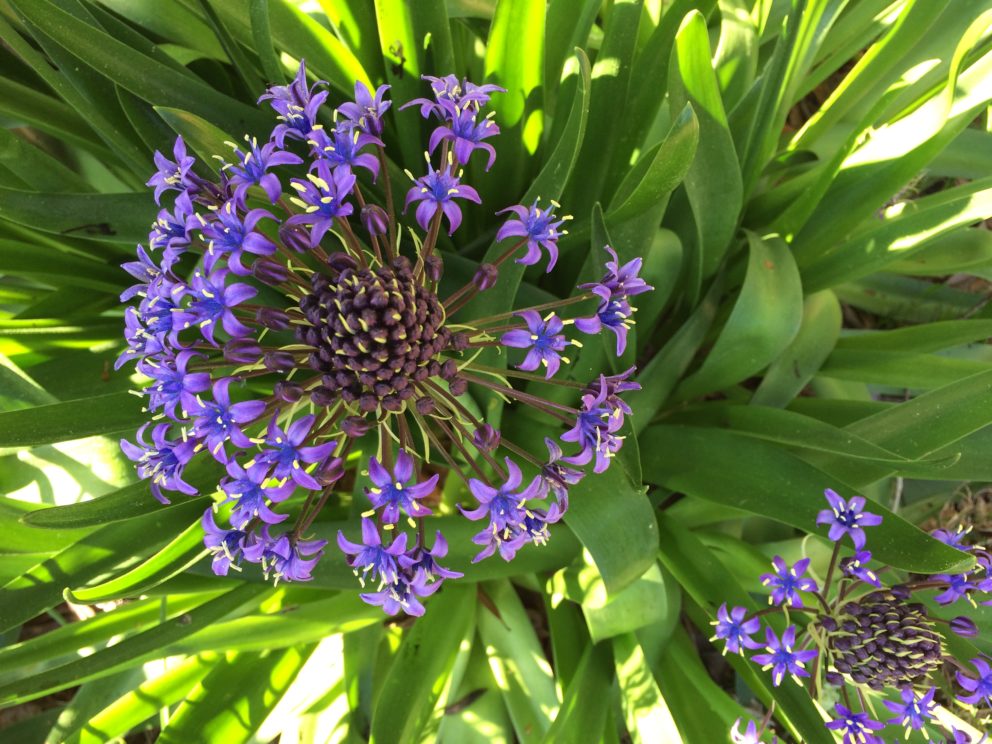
284 333
860 638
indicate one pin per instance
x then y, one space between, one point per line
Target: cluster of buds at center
289 335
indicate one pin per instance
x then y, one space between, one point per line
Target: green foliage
807 183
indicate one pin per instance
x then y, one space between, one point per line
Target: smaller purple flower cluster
862 636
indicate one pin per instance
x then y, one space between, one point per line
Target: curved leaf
119 218
75 419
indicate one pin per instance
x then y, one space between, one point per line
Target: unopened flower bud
964 626
323 396
329 471
485 277
426 406
375 219
458 386
242 351
355 427
295 238
339 262
272 318
486 438
287 391
269 272
433 268
278 361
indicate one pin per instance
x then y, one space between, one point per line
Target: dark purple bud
834 678
287 391
426 406
323 396
486 438
339 261
899 591
269 272
401 264
458 386
355 427
485 277
272 318
964 626
295 238
459 341
329 471
433 268
242 351
375 219
449 369
828 623
278 361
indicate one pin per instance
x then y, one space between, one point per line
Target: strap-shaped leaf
75 419
122 218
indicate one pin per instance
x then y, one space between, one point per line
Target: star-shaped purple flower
504 508
735 628
212 303
225 545
231 234
285 453
856 566
322 197
297 106
174 385
391 491
162 460
980 687
595 431
404 595
556 475
219 421
913 712
544 340
615 314
173 175
342 148
621 281
847 518
251 497
856 727
539 227
422 560
367 109
787 581
436 192
371 559
465 131
781 656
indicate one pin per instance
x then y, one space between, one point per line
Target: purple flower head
230 235
251 169
958 586
285 453
220 421
142 339
404 595
284 558
856 566
437 192
342 148
174 175
173 384
604 392
367 109
504 506
980 687
171 231
913 712
543 339
621 281
856 727
297 106
556 475
226 545
595 431
781 656
451 90
371 559
847 518
954 539
145 270
787 581
539 228
424 561
322 197
162 460
465 131
736 629
213 303
615 314
252 497
392 493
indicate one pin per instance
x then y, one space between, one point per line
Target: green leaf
60 422
713 182
119 218
587 699
786 377
956 251
131 651
765 319
900 369
157 83
764 479
646 713
517 661
143 702
597 521
178 555
667 366
203 138
35 167
226 704
422 662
